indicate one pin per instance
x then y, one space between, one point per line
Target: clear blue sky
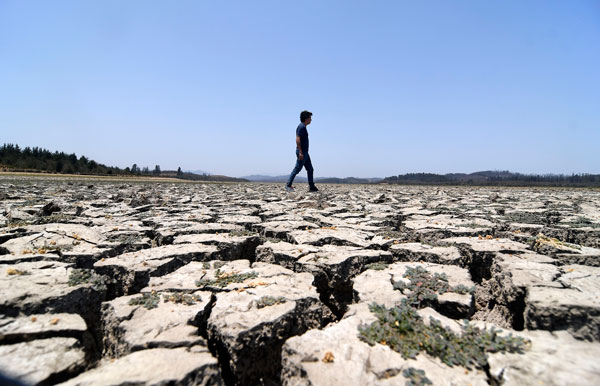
395 86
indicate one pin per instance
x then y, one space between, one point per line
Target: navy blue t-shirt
303 134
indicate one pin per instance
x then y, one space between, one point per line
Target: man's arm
299 146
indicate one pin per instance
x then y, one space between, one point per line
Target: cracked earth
126 283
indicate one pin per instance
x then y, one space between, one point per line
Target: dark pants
299 164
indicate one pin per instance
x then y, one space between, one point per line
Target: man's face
307 121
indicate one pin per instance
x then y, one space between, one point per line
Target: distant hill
493 178
264 178
200 172
495 174
200 177
347 180
35 159
17 159
14 158
323 180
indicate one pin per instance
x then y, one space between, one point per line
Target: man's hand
299 147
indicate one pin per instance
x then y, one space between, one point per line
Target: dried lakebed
245 284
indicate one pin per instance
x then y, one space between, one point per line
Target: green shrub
242 233
223 279
403 330
180 298
390 235
84 276
148 300
423 287
377 266
463 289
415 377
266 301
218 264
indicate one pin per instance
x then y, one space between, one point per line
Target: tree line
14 158
35 159
496 178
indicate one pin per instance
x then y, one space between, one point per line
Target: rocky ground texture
123 282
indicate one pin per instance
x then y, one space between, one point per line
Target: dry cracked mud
123 282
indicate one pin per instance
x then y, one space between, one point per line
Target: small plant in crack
125 239
390 235
266 301
463 289
223 279
377 266
243 233
214 265
147 300
218 264
403 330
185 299
423 287
83 276
416 377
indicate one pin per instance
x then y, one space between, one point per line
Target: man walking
302 157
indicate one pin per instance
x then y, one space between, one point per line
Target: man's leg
309 170
295 171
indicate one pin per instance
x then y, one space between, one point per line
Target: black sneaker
313 189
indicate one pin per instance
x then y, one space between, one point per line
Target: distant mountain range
323 180
348 180
495 177
35 159
264 178
481 178
199 172
200 177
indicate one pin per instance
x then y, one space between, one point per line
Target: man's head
306 117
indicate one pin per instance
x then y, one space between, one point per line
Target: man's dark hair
304 115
